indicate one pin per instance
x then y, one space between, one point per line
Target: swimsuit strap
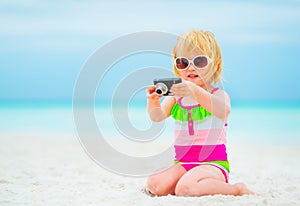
197 105
214 90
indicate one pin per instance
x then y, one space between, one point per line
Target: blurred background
44 45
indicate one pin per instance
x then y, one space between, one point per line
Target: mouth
192 76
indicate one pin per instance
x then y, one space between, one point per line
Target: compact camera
164 85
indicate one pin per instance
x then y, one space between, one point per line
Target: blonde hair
206 42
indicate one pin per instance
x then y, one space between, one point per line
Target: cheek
201 72
182 74
184 77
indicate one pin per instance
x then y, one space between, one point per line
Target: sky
45 44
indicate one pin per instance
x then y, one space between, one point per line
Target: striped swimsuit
200 137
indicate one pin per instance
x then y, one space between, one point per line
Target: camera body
163 85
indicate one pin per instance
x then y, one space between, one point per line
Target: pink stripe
190 123
214 89
198 153
201 137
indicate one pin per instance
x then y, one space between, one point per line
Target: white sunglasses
199 62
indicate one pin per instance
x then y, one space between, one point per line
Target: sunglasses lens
201 61
182 63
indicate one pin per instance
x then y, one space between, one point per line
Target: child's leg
164 183
207 180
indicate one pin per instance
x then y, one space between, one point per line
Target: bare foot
243 190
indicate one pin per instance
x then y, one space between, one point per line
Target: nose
191 67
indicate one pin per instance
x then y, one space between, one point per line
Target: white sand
41 170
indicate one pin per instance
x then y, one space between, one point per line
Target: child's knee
187 187
183 188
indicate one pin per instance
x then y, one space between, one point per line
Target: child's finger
151 93
151 89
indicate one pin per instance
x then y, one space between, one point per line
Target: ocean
248 123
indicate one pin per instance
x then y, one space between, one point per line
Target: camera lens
158 91
161 88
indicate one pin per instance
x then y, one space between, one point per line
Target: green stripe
224 164
198 113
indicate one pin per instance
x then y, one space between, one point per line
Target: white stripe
210 122
201 137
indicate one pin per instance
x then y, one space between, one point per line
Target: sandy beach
47 170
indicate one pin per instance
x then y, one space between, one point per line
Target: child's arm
218 103
156 110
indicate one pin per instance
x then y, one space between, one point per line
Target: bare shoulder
223 94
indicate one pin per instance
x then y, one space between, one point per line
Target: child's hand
183 89
151 94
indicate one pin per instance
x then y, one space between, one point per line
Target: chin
195 81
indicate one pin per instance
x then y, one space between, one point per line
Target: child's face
193 74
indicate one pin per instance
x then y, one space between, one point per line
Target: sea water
266 124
